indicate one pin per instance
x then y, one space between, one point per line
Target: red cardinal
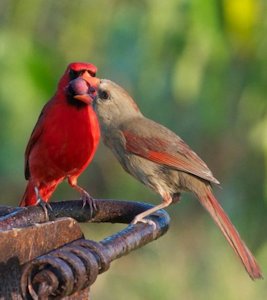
162 161
65 137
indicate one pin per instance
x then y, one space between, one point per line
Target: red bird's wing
36 133
166 148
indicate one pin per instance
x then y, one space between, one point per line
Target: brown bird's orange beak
93 82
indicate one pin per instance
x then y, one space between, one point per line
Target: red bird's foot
87 199
43 204
47 209
90 201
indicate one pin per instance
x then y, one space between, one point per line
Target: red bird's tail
29 198
222 220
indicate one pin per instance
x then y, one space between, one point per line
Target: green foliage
199 67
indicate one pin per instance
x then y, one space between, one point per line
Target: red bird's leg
43 204
87 199
167 200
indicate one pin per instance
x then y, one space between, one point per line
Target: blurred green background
198 67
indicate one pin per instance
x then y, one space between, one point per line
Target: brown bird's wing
160 145
36 133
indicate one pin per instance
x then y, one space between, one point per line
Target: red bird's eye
75 74
91 73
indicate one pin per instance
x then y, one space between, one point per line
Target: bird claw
145 221
90 201
44 205
46 208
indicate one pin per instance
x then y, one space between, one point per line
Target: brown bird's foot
137 219
141 217
43 204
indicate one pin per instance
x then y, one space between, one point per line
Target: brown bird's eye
104 95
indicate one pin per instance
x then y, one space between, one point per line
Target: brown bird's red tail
222 220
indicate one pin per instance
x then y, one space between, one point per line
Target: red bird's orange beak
93 82
86 98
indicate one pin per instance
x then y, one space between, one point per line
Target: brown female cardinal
162 161
65 137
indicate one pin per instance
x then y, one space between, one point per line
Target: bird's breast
71 138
